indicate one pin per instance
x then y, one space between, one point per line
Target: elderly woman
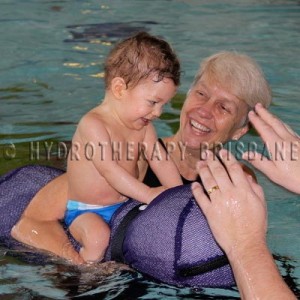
226 87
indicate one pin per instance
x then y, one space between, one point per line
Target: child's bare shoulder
95 117
92 117
92 122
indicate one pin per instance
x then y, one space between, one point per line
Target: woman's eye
225 108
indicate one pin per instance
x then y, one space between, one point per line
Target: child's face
145 101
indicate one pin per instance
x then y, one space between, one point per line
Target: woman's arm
39 225
236 212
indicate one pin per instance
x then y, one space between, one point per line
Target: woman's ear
118 86
240 132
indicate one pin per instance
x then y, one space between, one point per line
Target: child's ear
118 86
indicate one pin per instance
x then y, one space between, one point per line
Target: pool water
51 70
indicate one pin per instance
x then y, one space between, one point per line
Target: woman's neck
184 157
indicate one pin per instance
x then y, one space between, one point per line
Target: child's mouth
145 121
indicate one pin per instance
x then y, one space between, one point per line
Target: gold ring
214 188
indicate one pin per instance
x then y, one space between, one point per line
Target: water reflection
105 32
57 280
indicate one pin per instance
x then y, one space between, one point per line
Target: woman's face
211 115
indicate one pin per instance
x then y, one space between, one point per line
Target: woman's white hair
239 74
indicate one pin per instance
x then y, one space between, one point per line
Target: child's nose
157 111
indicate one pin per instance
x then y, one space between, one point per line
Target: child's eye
151 102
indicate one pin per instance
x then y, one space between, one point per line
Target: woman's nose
205 110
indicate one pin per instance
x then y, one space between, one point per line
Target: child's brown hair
139 56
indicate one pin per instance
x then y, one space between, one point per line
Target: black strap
118 239
208 266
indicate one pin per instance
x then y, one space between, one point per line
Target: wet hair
140 56
239 74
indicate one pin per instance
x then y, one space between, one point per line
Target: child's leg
92 233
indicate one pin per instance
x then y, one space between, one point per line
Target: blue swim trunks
75 209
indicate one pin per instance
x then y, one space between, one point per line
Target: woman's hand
283 166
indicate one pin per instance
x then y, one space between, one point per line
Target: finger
258 190
266 132
218 171
279 127
264 165
234 169
207 178
200 197
291 131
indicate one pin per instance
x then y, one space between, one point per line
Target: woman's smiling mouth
199 127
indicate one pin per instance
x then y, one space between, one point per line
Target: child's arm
94 131
160 162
